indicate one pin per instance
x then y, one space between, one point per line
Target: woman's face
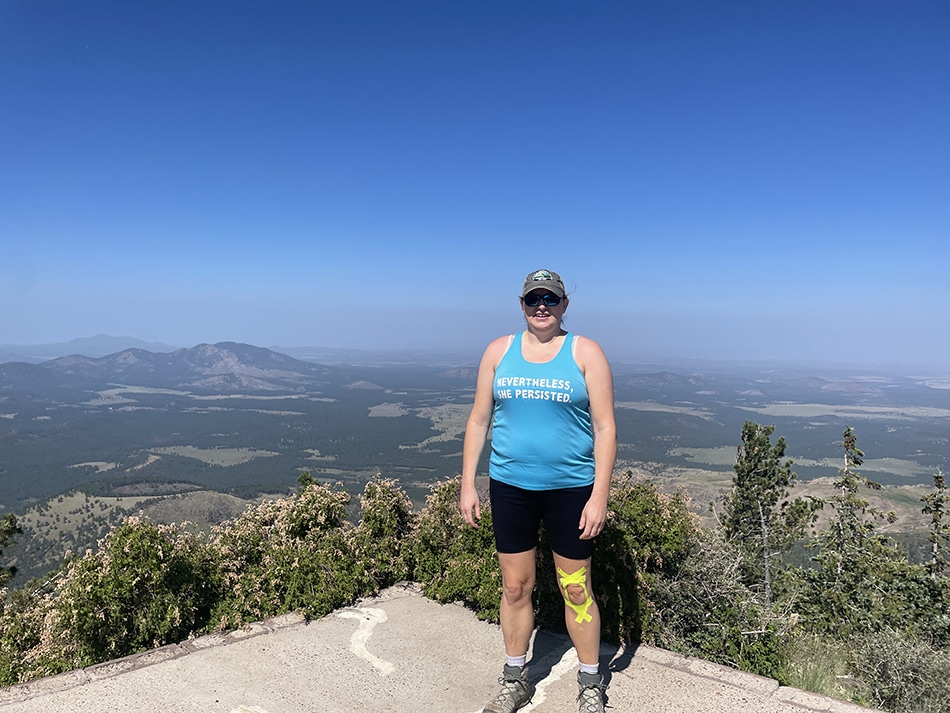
543 314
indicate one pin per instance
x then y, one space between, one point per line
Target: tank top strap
566 352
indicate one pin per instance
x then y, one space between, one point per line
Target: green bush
656 577
292 554
703 609
381 539
453 561
148 585
647 536
885 593
27 648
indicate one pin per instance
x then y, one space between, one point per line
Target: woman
548 396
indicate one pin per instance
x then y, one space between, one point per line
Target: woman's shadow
550 647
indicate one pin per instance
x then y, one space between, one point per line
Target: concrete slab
398 652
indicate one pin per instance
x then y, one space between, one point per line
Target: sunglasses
533 299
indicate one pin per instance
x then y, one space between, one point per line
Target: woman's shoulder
585 343
502 342
586 350
497 348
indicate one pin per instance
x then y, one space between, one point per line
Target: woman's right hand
469 505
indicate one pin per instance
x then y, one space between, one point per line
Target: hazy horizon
719 181
104 344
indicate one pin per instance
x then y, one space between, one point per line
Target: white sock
592 668
517 661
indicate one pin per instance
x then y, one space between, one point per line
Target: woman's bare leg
583 618
517 609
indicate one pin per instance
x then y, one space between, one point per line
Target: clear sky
712 179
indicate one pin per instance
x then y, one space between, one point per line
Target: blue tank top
542 437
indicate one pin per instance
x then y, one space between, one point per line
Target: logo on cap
542 275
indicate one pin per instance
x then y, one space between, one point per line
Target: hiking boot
592 693
514 692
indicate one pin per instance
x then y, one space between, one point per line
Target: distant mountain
103 345
226 367
97 346
428 357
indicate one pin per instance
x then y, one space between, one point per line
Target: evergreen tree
864 582
8 528
853 529
936 505
759 515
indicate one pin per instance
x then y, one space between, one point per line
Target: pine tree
758 512
863 581
936 505
8 528
853 528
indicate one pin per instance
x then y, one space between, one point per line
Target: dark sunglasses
533 299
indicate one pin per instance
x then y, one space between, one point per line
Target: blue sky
717 180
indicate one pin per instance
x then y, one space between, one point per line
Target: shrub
645 529
902 674
703 609
646 537
381 539
148 585
657 576
26 644
292 554
455 562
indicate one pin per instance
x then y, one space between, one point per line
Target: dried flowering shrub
381 540
147 585
291 554
28 649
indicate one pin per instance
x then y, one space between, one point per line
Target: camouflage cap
543 280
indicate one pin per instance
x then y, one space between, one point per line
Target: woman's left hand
593 517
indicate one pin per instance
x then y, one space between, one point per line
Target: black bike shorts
517 515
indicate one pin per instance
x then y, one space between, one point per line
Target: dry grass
818 665
387 410
215 456
202 509
663 408
705 488
448 419
849 413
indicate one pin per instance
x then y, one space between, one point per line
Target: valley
197 434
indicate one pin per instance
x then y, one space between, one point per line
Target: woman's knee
576 593
517 590
575 588
518 573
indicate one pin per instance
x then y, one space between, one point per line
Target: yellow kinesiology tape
580 579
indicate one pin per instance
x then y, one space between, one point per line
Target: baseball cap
543 279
